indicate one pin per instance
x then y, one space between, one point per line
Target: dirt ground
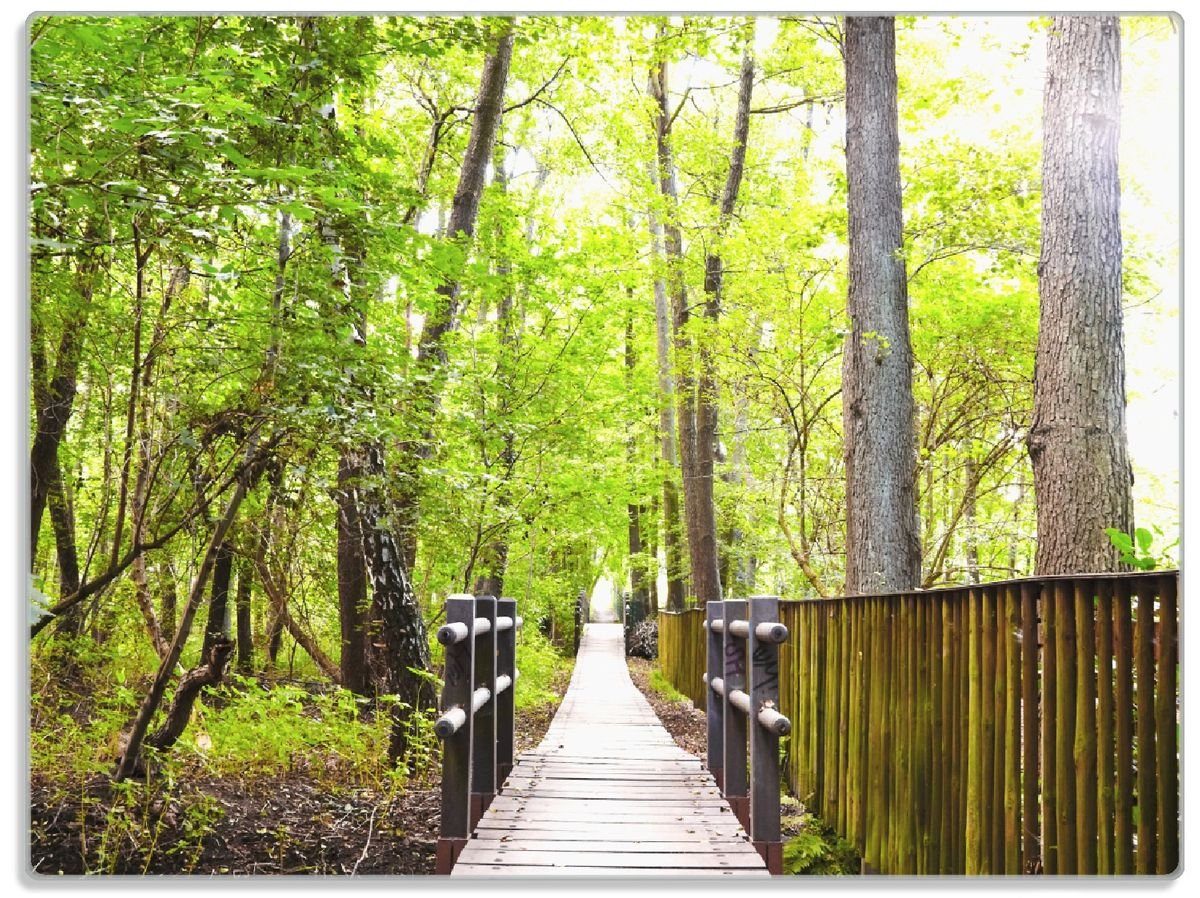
238 827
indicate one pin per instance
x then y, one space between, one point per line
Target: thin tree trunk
245 633
662 240
637 572
685 380
882 539
971 537
1077 442
217 628
150 705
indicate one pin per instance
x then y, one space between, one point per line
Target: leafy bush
538 664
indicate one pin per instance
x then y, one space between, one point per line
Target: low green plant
815 849
1139 551
660 684
538 664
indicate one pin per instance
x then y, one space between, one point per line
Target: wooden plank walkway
608 792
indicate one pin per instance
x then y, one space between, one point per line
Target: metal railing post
715 703
736 780
483 736
506 666
764 741
456 746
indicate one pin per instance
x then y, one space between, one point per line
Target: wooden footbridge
606 793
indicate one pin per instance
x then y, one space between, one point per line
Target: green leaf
1144 539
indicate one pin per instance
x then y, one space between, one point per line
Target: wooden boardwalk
608 793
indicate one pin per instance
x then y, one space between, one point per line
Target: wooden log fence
1024 726
744 723
476 724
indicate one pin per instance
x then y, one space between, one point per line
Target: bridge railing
744 723
1022 726
476 724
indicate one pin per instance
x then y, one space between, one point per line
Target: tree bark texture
351 576
706 567
245 634
1077 442
882 539
217 628
670 307
51 417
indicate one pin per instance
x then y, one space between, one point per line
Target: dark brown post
506 666
483 735
579 618
715 703
736 781
456 745
764 740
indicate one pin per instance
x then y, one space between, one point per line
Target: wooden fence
1022 726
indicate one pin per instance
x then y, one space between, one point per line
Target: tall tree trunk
141 581
883 550
1077 443
706 572
52 415
396 642
661 241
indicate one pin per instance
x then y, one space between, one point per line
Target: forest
334 317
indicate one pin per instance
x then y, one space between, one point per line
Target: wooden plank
1147 806
1105 756
491 870
607 792
606 846
1167 728
1086 784
1030 826
1123 701
1049 737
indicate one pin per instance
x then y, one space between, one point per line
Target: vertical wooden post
715 704
506 665
1168 758
579 618
1049 733
1105 755
737 785
1123 737
1031 829
456 824
764 743
1147 798
483 734
1086 782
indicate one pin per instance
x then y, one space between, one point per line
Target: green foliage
660 684
540 665
815 849
1139 551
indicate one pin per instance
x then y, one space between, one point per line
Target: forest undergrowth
274 775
